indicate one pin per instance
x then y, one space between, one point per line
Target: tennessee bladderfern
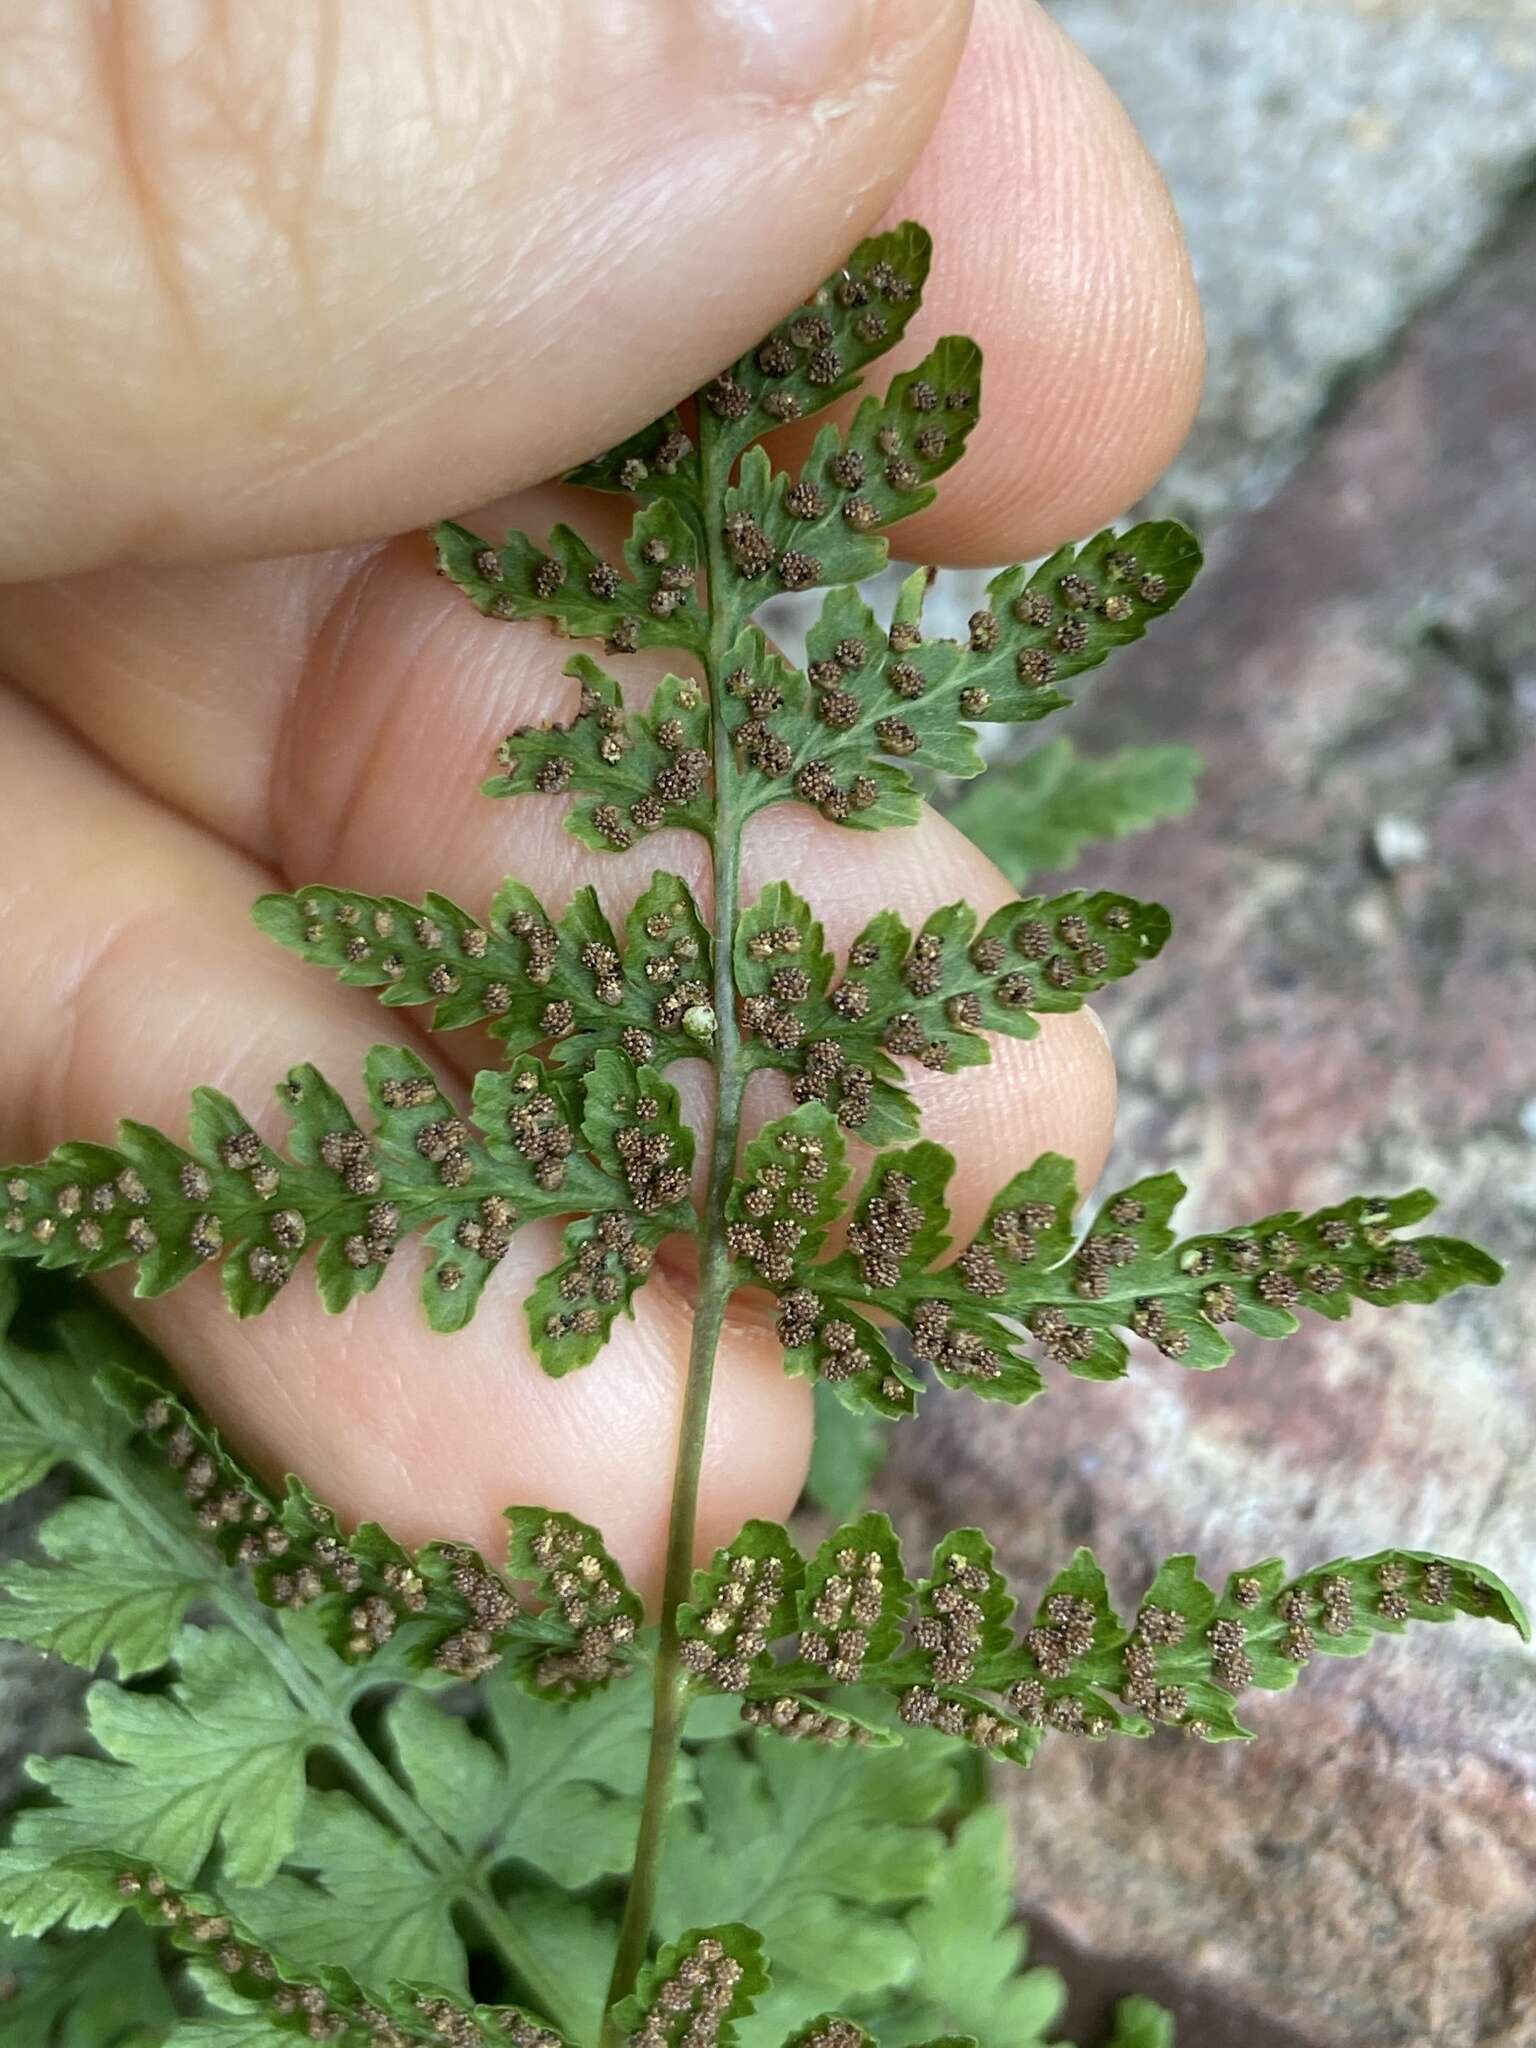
303 1805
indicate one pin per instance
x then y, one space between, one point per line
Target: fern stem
714 1290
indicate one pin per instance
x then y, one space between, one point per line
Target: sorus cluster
689 2008
773 1209
1156 1628
607 1264
471 1652
849 1603
1059 621
602 735
803 1721
736 1627
585 1586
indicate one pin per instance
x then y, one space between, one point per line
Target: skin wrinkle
243 447
327 651
110 33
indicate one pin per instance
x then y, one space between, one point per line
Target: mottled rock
1365 645
39 1700
1335 164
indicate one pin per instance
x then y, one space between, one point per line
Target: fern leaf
583 597
833 2031
811 358
530 979
957 1666
1036 815
354 1196
871 697
260 1995
1042 629
220 1758
970 1950
931 998
632 774
100 1990
795 533
100 1595
1139 2023
550 1792
387 1611
1019 1279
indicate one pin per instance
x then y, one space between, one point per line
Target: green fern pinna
817 1703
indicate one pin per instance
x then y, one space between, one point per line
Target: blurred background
1336 732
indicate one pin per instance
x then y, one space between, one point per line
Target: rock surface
1362 648
1335 163
38 1701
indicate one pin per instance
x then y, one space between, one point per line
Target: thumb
275 276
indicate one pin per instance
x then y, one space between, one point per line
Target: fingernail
800 49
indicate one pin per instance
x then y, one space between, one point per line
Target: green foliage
98 1991
947 1654
1035 816
340 1787
109 1598
970 1978
815 1850
1141 2024
930 998
847 1453
537 1145
217 1759
508 1824
1021 1281
532 980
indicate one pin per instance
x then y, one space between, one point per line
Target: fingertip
1058 247
572 215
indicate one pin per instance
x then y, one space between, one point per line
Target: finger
355 265
143 978
1057 247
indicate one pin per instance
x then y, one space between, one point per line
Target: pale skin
276 281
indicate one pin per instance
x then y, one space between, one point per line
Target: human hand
281 278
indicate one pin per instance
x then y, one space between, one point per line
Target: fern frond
184 1522
811 358
537 1146
258 1995
533 980
871 696
1019 1282
946 1650
931 998
582 596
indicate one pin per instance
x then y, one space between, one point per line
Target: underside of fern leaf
779 1630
